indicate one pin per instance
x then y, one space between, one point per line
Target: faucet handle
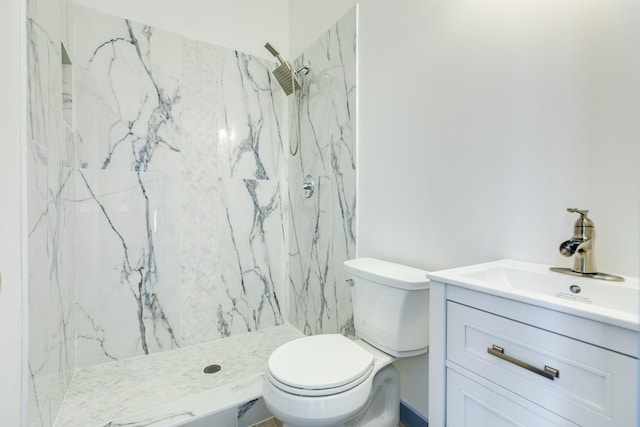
582 212
583 221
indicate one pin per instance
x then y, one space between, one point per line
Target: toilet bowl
331 381
327 380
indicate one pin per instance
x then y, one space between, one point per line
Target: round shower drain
211 369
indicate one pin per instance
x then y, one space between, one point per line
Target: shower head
287 78
285 75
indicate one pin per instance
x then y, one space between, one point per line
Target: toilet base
382 408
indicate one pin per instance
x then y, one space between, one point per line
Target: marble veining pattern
322 228
128 99
147 386
162 218
250 120
128 94
252 254
233 252
130 267
50 216
180 174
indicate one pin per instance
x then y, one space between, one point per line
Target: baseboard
410 417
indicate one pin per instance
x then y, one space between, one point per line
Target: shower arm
275 53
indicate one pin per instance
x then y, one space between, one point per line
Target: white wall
481 121
310 19
244 25
11 287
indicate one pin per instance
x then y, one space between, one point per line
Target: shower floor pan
171 389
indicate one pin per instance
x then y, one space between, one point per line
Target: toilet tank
390 305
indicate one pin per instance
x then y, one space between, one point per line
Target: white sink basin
612 302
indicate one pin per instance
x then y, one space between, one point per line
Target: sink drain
211 369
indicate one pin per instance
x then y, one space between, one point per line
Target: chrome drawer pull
548 372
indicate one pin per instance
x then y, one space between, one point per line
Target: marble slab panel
62 321
50 212
43 28
251 125
44 82
45 397
320 241
327 102
322 228
310 259
127 241
343 246
51 290
128 93
251 280
39 290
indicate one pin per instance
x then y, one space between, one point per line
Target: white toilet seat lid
320 362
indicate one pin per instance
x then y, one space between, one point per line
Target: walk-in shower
165 124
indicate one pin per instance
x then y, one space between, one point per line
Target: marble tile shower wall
50 215
322 228
157 222
179 218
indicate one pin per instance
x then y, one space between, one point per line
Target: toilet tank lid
392 274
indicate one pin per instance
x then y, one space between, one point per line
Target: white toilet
329 380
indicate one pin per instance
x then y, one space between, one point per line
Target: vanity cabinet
499 362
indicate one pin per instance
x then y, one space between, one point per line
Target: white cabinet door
471 404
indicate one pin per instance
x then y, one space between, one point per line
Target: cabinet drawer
471 403
589 386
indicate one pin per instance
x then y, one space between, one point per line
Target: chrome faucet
582 245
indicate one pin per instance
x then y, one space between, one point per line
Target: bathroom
478 124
